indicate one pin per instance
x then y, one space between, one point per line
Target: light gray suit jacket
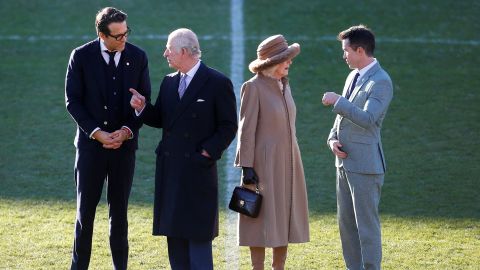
359 121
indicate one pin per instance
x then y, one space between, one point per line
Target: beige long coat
268 143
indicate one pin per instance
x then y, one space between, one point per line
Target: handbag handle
257 190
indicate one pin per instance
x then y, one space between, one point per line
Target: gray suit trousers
358 196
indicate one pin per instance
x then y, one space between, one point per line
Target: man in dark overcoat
196 109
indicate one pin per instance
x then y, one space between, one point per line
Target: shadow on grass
402 195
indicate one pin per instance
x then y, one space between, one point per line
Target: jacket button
194 115
341 127
166 153
105 107
187 155
186 135
105 123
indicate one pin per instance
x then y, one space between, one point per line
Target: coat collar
128 65
98 63
274 83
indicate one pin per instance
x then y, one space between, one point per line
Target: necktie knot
111 59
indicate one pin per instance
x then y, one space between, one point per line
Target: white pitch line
233 174
306 38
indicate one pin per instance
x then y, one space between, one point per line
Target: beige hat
272 51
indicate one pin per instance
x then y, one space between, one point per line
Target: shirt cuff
91 134
129 132
137 113
336 102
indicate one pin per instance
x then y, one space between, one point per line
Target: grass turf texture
430 205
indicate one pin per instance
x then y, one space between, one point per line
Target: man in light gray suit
356 142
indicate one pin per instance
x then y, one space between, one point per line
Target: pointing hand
137 101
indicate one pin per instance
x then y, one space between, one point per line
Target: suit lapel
362 81
350 78
98 64
126 64
191 92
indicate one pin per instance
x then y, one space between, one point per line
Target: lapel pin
128 63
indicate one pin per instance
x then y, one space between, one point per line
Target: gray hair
185 38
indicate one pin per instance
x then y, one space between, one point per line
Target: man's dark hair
106 16
359 36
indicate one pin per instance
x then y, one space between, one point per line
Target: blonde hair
269 71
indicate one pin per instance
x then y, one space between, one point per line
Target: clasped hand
249 176
111 140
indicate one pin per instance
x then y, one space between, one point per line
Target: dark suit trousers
187 254
93 167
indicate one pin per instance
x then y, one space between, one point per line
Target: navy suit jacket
86 91
186 188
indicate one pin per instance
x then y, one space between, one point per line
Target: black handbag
246 201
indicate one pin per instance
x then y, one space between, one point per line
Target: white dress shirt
105 55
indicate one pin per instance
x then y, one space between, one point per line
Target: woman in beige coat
269 155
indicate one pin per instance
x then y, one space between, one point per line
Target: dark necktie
111 60
352 86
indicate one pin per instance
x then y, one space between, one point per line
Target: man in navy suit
196 108
98 77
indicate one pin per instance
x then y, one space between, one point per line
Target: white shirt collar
193 70
365 69
105 55
191 73
102 46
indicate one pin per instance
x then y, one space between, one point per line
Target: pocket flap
362 139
